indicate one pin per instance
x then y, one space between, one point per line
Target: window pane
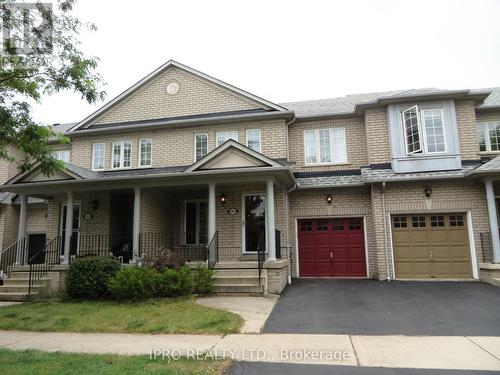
339 145
201 145
98 156
437 221
253 139
481 138
310 146
433 122
145 152
418 221
127 151
399 222
117 149
224 136
324 146
494 132
410 121
62 155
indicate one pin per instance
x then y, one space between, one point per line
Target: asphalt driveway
369 307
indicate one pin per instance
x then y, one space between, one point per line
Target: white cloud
292 50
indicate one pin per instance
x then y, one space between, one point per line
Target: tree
40 56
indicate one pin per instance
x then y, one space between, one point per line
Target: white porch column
269 216
137 223
492 214
211 211
69 228
22 244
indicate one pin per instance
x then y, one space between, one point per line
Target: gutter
179 123
289 271
385 235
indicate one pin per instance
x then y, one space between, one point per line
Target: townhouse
389 185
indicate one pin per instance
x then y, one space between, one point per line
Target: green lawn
180 315
40 363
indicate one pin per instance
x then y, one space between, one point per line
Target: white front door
253 209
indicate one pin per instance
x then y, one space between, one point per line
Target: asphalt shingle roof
330 181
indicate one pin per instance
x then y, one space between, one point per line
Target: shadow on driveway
370 307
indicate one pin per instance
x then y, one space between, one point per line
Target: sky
290 50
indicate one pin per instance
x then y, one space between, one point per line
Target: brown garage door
431 246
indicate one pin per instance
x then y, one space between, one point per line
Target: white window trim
317 148
484 127
260 138
225 132
103 156
420 133
59 152
140 151
194 141
424 131
122 154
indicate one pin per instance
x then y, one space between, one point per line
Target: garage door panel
336 247
435 245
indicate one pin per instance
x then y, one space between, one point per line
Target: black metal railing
261 253
486 247
42 262
12 255
153 245
213 251
94 245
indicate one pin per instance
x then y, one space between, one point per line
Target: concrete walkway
440 352
254 310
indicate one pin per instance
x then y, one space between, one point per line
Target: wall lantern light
223 199
329 198
94 204
428 192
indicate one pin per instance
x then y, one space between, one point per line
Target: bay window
122 152
423 130
489 136
325 146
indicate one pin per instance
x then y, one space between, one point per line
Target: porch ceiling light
428 192
329 198
223 199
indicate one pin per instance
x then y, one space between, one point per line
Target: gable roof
171 63
223 148
70 172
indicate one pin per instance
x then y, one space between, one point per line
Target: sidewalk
440 352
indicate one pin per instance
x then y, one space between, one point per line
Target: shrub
203 280
176 283
135 283
162 258
87 278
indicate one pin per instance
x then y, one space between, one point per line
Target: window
63 155
456 220
423 130
200 146
418 221
322 226
355 224
489 136
305 226
98 156
145 152
224 136
337 224
437 221
253 139
122 152
325 146
399 221
434 133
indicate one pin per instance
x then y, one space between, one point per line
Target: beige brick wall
9 221
195 96
176 146
36 218
355 140
456 196
377 135
311 203
466 126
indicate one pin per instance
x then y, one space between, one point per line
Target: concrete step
251 280
21 288
236 265
236 272
17 296
495 281
239 288
24 280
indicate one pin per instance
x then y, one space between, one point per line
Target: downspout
289 271
385 235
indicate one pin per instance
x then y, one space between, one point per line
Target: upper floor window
224 136
489 136
122 152
200 146
325 146
145 152
63 155
253 139
423 130
98 156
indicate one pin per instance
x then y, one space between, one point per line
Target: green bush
203 280
87 278
176 283
135 283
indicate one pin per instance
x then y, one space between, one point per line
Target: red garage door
332 247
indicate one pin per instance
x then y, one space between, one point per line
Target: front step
18 296
239 289
15 287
